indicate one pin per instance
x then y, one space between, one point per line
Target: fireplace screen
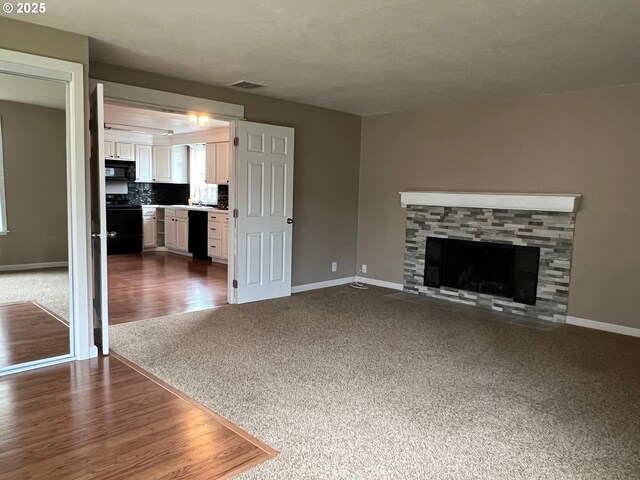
496 269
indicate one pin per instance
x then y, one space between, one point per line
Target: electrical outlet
364 268
334 266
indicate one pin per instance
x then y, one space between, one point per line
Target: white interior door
264 200
99 223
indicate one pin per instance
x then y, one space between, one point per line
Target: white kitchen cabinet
149 228
162 164
210 165
144 163
170 228
217 163
109 149
225 241
179 164
222 163
182 234
218 236
176 230
124 151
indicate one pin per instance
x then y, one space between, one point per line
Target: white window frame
199 190
4 228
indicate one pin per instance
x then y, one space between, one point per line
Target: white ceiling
138 117
34 91
368 56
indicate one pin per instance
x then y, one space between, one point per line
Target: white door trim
81 343
157 99
232 222
119 93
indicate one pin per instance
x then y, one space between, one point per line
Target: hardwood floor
28 332
105 418
154 284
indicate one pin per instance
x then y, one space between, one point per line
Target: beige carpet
351 384
47 287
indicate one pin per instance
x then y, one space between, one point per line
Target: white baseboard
32 266
607 327
326 284
380 283
344 281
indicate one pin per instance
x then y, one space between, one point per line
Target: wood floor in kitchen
154 284
105 418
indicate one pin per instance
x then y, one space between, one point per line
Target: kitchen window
3 197
200 190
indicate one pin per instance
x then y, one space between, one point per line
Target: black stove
124 225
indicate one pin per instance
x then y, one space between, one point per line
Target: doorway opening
167 195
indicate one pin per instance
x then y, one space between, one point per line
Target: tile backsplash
158 193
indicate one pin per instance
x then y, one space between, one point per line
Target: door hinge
236 141
235 284
235 213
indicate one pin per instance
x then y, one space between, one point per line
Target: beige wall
48 42
584 142
327 152
34 141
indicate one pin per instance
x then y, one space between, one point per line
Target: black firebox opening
508 271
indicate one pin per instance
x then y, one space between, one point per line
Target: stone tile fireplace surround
543 221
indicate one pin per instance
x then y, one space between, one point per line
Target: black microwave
120 171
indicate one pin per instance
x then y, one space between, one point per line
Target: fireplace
507 271
508 253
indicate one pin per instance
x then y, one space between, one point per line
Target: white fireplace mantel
547 202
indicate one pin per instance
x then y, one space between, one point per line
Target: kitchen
167 193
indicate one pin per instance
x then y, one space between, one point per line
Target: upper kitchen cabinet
217 165
144 163
162 167
161 163
109 149
124 151
180 155
222 163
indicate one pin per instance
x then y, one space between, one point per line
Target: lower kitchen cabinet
218 236
149 228
170 228
176 229
225 241
182 234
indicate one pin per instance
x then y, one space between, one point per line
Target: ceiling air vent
245 84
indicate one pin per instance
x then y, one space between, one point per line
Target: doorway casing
35 66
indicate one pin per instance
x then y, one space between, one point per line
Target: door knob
289 221
112 234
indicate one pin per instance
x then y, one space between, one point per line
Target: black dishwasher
198 234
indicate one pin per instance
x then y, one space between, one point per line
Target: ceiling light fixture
199 119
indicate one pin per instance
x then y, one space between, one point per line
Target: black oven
120 171
124 229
